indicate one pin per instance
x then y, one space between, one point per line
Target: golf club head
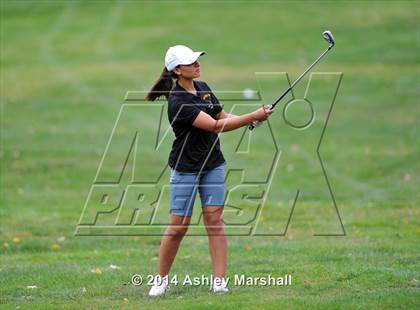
328 37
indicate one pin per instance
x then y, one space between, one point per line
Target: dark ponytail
162 86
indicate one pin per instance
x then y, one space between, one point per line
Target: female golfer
196 161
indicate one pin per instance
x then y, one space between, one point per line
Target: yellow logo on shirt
207 98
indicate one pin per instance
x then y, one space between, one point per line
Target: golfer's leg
182 195
212 216
170 242
212 192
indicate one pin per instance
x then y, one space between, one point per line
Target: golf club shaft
300 77
254 124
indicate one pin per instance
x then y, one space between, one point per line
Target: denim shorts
184 186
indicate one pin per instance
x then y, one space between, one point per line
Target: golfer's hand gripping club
255 124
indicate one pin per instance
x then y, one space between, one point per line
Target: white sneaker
160 287
219 286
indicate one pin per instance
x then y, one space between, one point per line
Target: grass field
65 70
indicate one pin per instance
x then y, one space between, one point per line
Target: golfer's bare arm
206 122
223 115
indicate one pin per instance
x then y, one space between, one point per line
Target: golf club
327 35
